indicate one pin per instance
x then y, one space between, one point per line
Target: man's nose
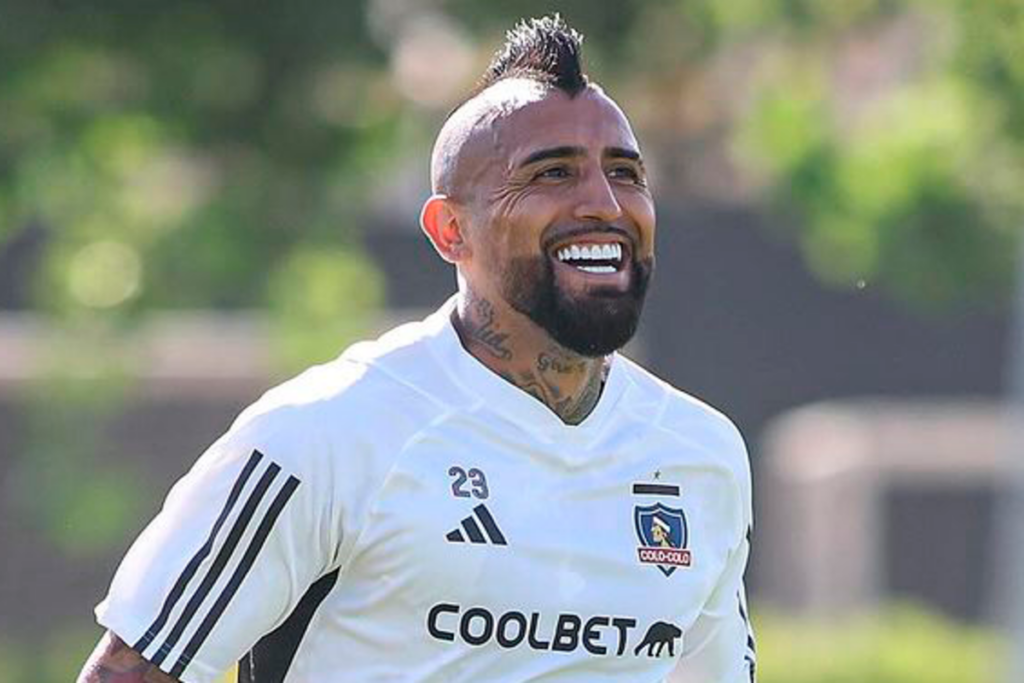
597 201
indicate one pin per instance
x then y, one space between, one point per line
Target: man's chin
596 326
590 316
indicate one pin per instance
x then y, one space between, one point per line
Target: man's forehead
590 122
506 123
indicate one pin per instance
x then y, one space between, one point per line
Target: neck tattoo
547 378
542 384
482 331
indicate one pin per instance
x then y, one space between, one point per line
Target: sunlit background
197 199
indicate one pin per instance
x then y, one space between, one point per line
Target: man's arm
114 662
719 647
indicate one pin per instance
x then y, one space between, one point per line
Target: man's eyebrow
563 152
622 153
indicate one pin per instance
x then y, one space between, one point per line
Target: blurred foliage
186 154
57 658
85 509
307 293
181 154
902 644
893 130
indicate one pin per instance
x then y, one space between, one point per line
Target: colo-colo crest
663 537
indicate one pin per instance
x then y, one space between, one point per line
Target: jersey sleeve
236 545
720 646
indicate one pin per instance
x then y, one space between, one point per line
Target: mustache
576 231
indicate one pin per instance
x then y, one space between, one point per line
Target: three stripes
227 550
473 531
750 657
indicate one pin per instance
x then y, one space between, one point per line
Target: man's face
563 221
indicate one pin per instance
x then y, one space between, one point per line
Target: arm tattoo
482 330
114 662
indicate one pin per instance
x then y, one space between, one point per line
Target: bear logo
657 637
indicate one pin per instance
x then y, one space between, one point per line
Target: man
492 494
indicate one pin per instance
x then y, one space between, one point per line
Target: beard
592 324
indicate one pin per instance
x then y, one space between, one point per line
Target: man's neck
520 352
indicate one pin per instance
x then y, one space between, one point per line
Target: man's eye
626 172
553 172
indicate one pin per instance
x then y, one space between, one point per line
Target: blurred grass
902 643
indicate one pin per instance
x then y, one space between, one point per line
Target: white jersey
404 514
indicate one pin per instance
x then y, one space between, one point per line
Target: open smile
597 258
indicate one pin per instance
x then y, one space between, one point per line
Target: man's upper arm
114 662
236 545
719 647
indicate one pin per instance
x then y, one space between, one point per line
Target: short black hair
546 50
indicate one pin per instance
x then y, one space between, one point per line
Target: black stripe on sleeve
218 564
255 545
751 654
270 659
193 565
751 645
497 538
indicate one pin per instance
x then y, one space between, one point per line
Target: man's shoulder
394 380
682 413
699 426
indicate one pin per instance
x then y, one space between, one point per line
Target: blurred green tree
892 130
179 153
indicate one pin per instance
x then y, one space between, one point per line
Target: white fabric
376 440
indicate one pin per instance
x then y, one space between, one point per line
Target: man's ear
442 226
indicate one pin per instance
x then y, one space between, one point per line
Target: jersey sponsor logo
658 636
664 537
600 635
479 527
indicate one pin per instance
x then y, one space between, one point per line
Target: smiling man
491 494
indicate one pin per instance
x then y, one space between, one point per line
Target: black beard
593 325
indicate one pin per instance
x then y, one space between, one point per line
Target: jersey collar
497 395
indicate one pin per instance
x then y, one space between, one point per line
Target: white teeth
592 252
597 269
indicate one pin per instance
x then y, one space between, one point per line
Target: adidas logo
473 531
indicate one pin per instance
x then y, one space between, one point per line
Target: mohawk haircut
546 50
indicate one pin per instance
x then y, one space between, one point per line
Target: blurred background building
197 200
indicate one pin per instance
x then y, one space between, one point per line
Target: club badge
663 537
